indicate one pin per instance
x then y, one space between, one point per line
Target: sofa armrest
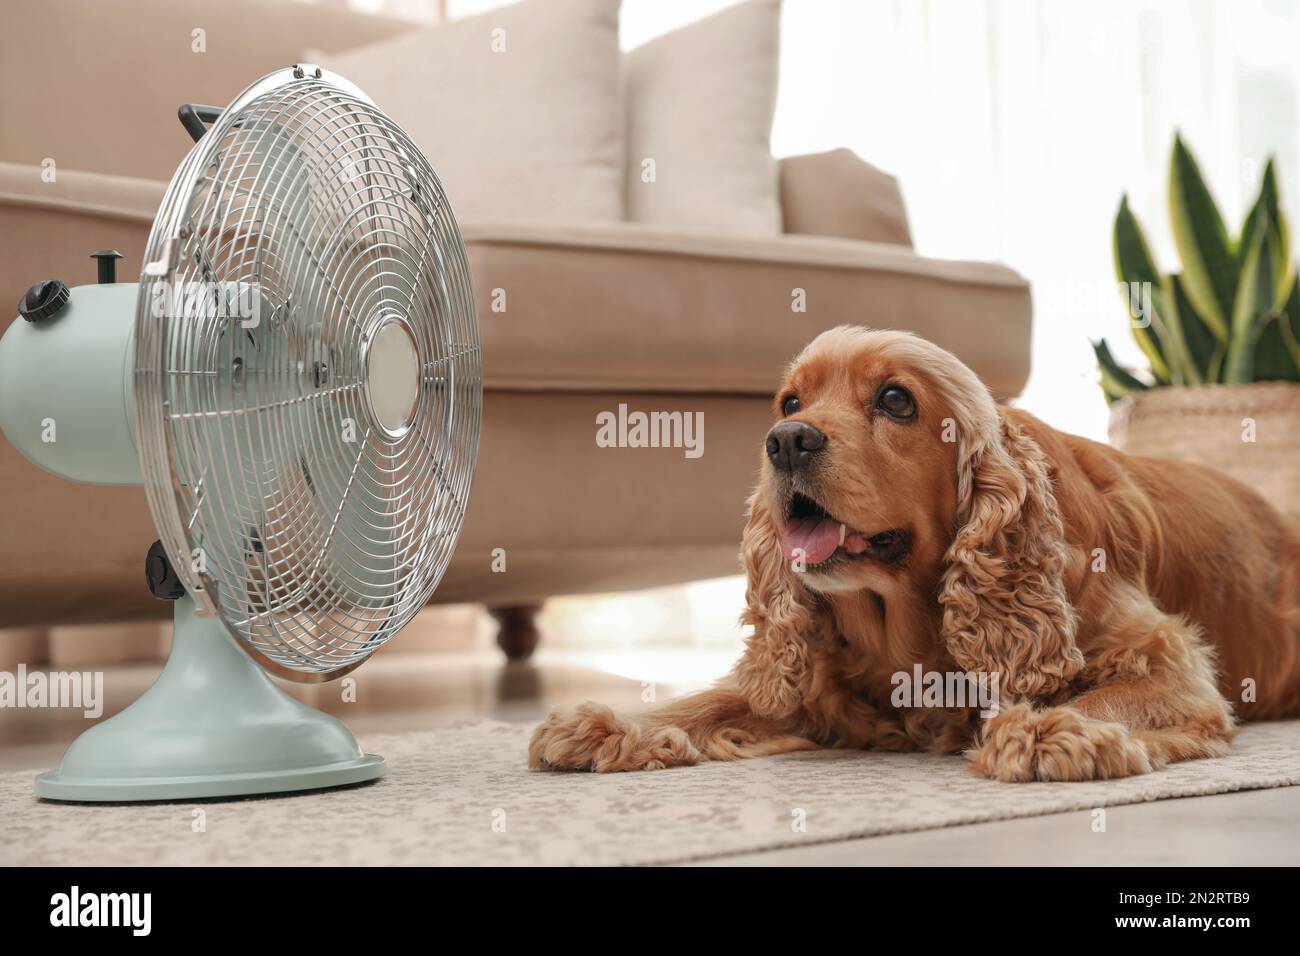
840 194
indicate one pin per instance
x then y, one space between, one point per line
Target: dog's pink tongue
816 537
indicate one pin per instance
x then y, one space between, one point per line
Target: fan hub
392 375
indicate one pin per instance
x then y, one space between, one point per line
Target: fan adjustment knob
158 571
44 300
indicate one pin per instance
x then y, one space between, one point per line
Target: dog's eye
897 403
790 406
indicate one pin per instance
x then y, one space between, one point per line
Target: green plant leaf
1273 360
1140 288
1277 351
1116 382
1266 201
1205 351
1292 326
1255 303
1209 267
1267 213
1165 318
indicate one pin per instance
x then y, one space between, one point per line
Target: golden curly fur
1132 609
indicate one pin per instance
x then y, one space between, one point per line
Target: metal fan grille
311 512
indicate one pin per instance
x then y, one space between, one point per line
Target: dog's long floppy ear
775 671
1005 604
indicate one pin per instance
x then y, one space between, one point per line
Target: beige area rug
463 795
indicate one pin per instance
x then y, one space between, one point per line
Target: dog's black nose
791 444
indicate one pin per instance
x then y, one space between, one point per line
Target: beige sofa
598 316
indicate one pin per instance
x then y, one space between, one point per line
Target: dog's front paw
1022 744
592 738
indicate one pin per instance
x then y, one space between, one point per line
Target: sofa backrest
95 86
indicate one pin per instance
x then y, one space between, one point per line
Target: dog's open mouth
817 536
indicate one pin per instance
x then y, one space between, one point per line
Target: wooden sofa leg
518 635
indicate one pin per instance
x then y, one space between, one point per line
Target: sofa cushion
699 104
517 109
632 306
838 193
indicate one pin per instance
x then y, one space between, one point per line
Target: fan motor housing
67 387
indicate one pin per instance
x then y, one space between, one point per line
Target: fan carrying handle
195 118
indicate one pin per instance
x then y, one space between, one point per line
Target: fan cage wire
316 543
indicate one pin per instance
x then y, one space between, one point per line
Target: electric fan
296 381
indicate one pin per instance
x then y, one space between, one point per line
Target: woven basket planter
1211 425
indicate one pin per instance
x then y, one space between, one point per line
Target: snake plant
1232 315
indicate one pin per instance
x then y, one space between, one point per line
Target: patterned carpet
464 795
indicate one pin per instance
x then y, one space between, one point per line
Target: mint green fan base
213 725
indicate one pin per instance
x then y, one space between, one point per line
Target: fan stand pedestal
213 725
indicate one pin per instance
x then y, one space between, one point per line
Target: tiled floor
404 691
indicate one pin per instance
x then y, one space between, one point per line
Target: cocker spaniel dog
1131 609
